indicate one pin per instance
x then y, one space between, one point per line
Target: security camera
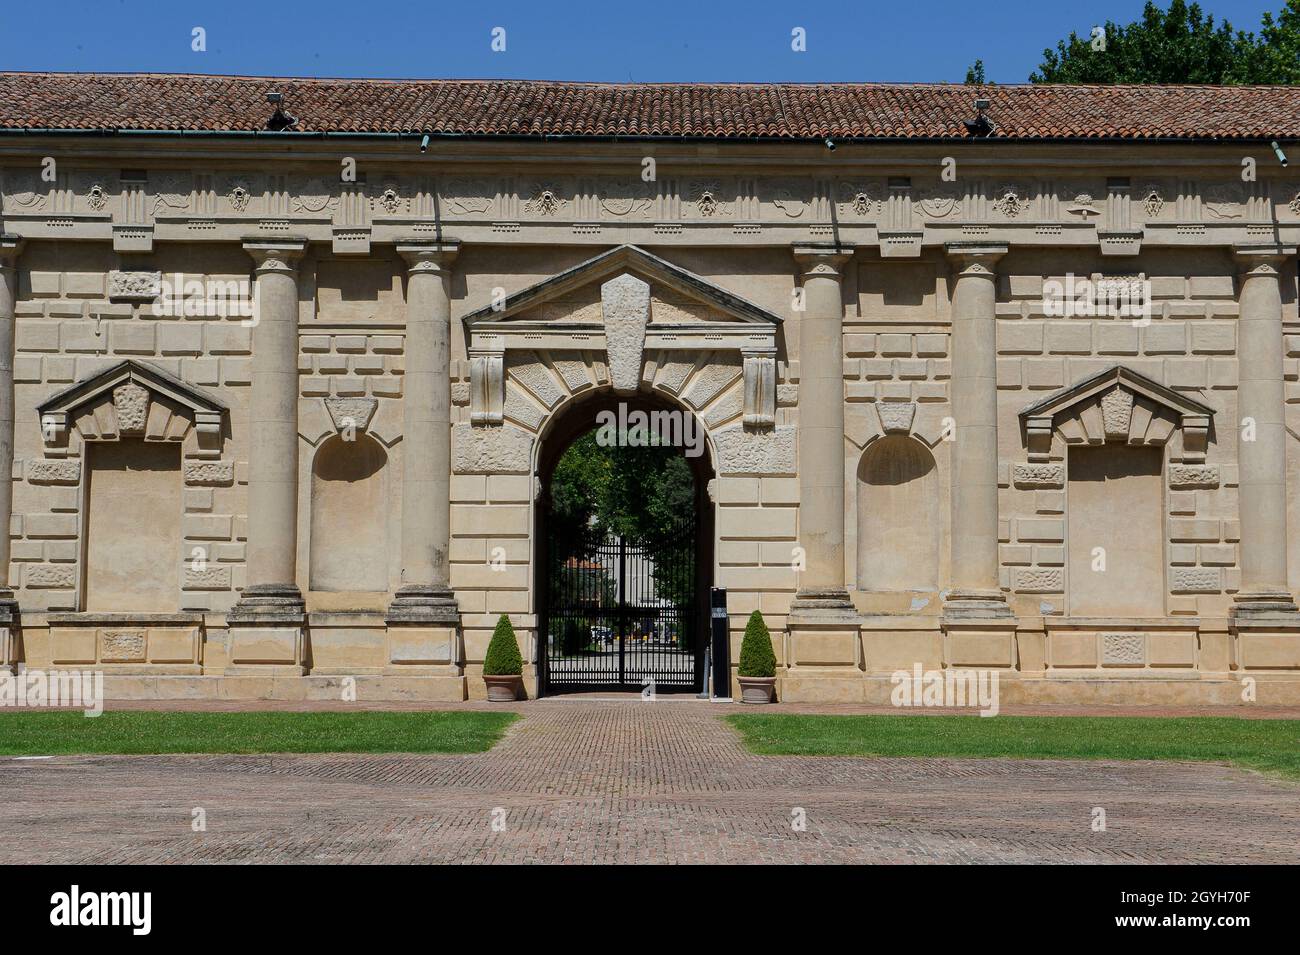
1277 151
830 144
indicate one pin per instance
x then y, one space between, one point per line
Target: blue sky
613 40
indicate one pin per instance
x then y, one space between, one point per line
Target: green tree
1179 45
502 657
975 75
1276 56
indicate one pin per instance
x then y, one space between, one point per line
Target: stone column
10 247
1261 436
425 595
266 624
824 655
976 593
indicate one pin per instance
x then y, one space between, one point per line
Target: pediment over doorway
624 306
1119 405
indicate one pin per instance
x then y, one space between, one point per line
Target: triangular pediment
148 376
1118 404
587 278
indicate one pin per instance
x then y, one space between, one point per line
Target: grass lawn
141 731
1271 746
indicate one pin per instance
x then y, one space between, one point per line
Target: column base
266 632
824 652
1263 603
423 604
8 631
972 605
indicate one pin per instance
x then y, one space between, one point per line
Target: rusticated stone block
755 452
53 472
1040 580
1197 580
121 646
1038 475
209 472
209 578
50 576
1123 649
1193 476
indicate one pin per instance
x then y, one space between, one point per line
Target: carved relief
1294 205
706 196
1116 411
625 304
1010 201
210 472
239 193
96 197
1083 206
351 414
131 402
939 202
627 199
504 449
896 416
174 192
1040 580
1193 476
312 196
1152 201
755 452
1224 201
121 646
390 200
468 196
1123 649
1038 475
24 193
52 576
66 471
861 199
134 286
790 196
545 199
1197 580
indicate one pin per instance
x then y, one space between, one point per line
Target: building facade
1014 387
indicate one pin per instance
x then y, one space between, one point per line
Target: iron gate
623 612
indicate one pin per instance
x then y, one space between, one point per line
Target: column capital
275 255
975 258
1261 259
422 255
11 246
821 259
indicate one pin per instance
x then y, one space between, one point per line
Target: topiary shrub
503 657
756 655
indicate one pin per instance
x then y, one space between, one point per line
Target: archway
624 536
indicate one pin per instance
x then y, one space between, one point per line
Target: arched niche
349 515
899 517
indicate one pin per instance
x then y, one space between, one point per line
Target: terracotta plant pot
503 689
757 689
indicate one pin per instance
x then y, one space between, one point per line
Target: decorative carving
1197 580
210 472
65 471
1152 200
468 196
1040 580
121 646
1116 411
97 197
896 416
1038 475
1009 201
625 304
705 195
939 202
1123 649
24 193
313 196
545 200
174 192
134 286
1084 205
790 196
211 577
1184 476
627 198
131 402
770 451
862 199
760 391
529 371
486 388
50 576
1224 201
239 194
1294 205
351 413
390 200
504 449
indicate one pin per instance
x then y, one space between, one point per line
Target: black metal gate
623 613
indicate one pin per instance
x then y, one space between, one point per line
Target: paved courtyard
590 781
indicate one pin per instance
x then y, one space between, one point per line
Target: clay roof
488 108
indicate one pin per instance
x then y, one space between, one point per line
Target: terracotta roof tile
105 101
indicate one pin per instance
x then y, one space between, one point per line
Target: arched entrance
625 547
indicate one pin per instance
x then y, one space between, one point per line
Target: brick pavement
591 781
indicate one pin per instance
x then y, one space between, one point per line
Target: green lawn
1271 746
142 731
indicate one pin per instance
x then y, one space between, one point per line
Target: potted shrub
503 667
757 671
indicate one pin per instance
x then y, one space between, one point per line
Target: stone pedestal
266 632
